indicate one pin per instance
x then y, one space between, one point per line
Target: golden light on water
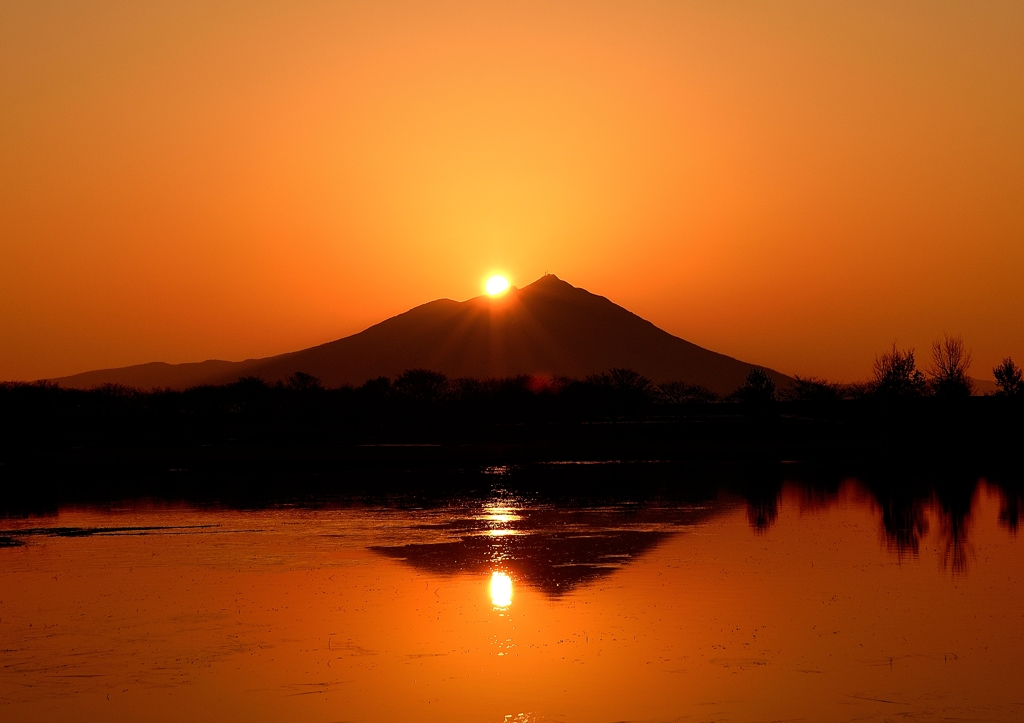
496 285
501 589
500 517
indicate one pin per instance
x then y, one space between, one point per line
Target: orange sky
793 184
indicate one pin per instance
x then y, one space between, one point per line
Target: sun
496 285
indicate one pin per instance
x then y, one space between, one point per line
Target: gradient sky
794 184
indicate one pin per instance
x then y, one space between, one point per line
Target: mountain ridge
548 328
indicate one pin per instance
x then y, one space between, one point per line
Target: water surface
796 605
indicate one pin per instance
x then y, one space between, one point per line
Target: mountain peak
549 281
552 328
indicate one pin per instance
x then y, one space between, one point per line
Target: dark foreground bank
254 440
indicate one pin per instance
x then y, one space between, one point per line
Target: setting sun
496 285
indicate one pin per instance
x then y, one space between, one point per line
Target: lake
796 601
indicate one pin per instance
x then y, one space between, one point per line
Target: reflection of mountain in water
553 550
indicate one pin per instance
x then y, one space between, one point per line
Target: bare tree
683 393
950 361
813 389
625 389
629 382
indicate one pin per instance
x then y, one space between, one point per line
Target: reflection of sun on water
499 513
501 533
497 517
501 589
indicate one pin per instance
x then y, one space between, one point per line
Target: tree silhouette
757 389
683 393
813 389
303 382
616 391
897 375
1009 379
422 386
950 362
377 388
630 387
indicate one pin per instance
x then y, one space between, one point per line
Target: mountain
548 328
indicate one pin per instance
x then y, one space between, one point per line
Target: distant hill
548 328
984 386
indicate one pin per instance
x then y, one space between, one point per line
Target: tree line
425 403
895 376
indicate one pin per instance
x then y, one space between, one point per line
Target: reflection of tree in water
762 511
905 499
955 498
1009 511
762 493
902 499
555 549
904 522
818 491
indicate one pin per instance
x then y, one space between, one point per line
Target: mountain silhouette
549 328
